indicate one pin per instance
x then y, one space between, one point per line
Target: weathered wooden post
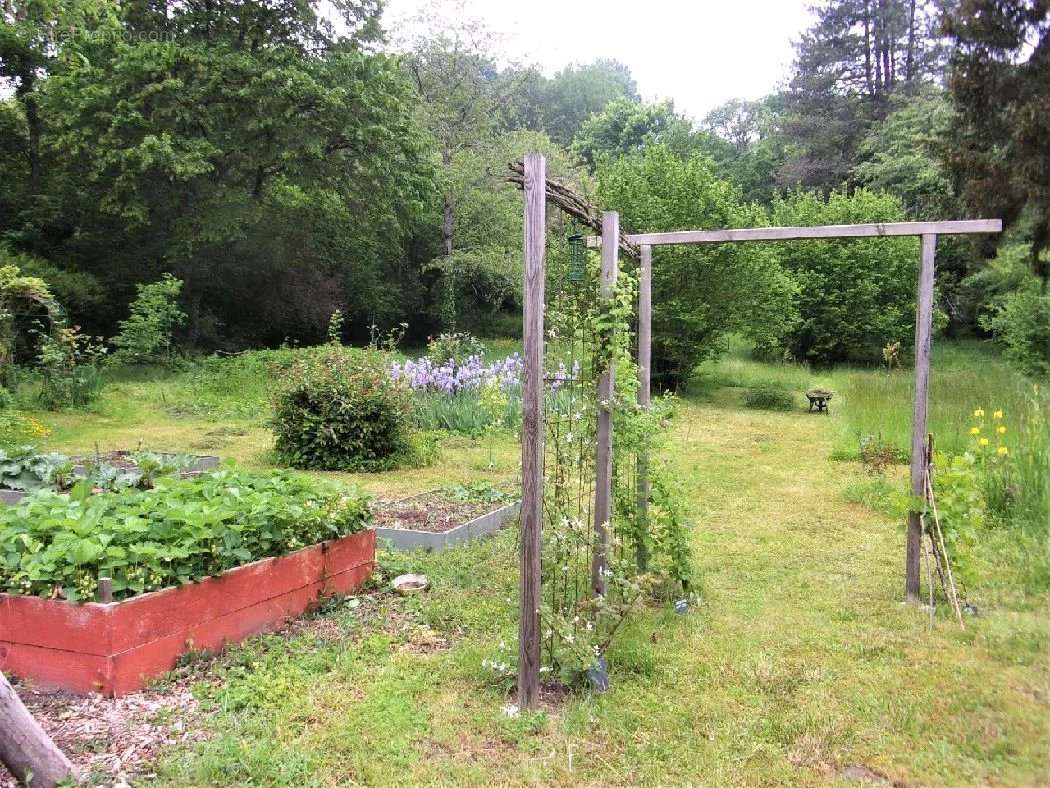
645 354
532 431
25 748
923 331
606 388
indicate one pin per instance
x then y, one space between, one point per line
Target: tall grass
963 376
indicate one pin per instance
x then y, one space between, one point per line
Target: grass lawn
800 666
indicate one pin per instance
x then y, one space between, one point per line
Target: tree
155 315
625 126
271 164
903 155
1000 135
848 64
455 76
755 151
485 267
700 293
578 91
854 296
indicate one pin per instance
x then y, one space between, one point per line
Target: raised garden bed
116 648
22 474
433 521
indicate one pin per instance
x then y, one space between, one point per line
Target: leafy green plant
961 510
339 409
24 468
1021 322
146 336
59 545
476 492
769 399
69 367
6 399
455 346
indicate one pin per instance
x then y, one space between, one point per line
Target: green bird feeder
577 258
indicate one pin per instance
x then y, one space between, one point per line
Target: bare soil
430 511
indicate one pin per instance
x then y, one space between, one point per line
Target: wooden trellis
532 177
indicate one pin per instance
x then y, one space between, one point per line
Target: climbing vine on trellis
645 558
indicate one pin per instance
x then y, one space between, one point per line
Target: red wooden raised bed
116 648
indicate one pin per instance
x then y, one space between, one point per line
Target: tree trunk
878 49
886 44
25 749
909 60
448 212
867 50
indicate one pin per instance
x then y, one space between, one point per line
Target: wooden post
923 330
25 748
104 593
532 431
606 386
645 353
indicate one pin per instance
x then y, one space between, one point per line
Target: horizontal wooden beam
965 226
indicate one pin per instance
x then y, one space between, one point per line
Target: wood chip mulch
113 740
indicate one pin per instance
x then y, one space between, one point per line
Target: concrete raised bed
116 648
12 496
407 539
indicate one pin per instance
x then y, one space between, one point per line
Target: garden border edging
117 647
408 539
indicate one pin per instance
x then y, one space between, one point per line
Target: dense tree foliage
284 160
273 167
854 296
1000 136
700 294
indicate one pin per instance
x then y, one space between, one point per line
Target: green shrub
1021 322
769 399
59 545
69 369
855 295
700 293
341 410
6 399
146 336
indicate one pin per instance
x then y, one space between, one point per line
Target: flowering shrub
1001 482
59 545
341 410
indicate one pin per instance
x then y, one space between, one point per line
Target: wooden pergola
611 242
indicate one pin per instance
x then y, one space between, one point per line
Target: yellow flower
975 430
1002 451
1001 429
979 413
998 414
983 441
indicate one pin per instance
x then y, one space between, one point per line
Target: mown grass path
801 665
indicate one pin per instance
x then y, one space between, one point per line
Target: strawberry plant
57 546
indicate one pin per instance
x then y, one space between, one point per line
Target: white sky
699 53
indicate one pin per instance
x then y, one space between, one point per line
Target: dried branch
572 203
